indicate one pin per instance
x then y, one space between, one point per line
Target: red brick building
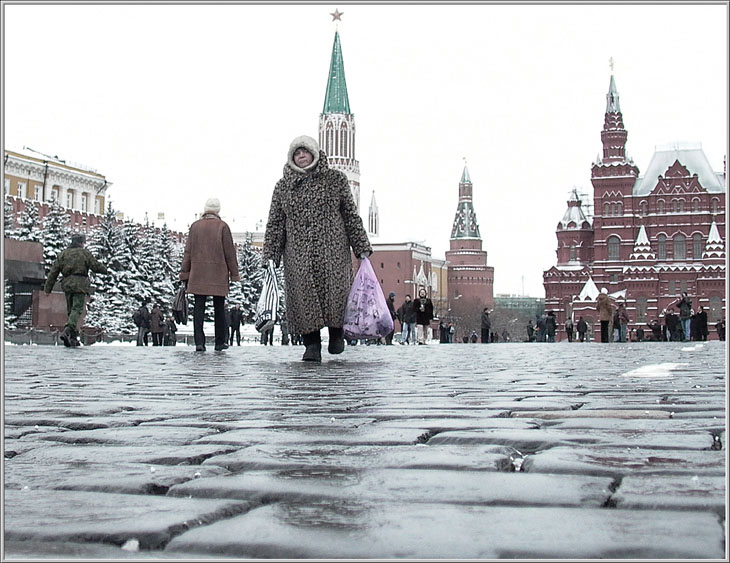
651 237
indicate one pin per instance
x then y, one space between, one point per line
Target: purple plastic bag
366 313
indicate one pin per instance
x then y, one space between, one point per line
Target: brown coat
210 257
604 307
313 222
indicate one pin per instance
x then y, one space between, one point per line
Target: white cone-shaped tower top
715 247
589 292
642 247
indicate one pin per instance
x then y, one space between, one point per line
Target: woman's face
302 157
422 293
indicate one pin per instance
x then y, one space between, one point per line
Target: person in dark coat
235 316
424 314
551 326
671 320
582 327
169 336
443 333
390 302
486 326
685 314
720 327
209 265
530 331
313 223
656 330
569 329
701 321
157 325
407 316
143 321
74 265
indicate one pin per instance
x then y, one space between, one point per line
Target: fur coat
313 223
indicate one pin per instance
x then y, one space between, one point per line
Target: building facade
81 191
651 237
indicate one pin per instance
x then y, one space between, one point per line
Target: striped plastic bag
268 304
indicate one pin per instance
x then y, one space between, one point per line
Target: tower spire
614 134
335 99
465 222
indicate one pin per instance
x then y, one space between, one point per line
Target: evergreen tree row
143 263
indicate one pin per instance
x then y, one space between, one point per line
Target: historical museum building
650 238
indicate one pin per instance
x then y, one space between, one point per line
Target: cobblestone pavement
406 452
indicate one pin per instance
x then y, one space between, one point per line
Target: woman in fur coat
313 223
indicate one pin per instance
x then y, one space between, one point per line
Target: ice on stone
131 545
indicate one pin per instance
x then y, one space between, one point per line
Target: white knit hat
604 290
213 205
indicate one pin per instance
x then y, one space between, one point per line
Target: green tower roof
335 100
465 179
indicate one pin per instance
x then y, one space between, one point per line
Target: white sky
178 103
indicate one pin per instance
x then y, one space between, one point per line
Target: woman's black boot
337 340
313 343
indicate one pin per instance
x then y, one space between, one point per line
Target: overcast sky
178 103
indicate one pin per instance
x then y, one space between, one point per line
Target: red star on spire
336 15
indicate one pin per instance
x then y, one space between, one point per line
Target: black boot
337 340
313 352
66 336
74 338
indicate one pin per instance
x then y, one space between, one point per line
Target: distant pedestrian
424 314
390 302
157 322
505 335
143 322
685 314
551 326
674 328
73 264
582 327
530 331
443 333
701 320
656 330
540 330
623 321
605 312
452 332
209 265
486 325
407 315
169 335
720 327
235 316
569 329
474 337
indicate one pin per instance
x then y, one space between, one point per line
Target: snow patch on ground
653 370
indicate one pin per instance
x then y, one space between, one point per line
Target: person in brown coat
208 264
157 325
605 312
313 223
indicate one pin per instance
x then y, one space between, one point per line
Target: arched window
695 204
330 139
660 206
619 209
606 209
613 247
680 247
661 250
713 205
675 206
343 140
697 246
681 206
573 253
643 208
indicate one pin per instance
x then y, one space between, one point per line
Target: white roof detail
691 157
574 214
589 292
621 294
421 278
642 247
714 248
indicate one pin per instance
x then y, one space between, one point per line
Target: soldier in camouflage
74 263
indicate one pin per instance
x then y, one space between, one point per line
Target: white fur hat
304 142
213 205
604 290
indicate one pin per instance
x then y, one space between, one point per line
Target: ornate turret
575 234
465 221
373 218
642 247
715 247
337 123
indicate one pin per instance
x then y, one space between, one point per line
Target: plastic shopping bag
366 313
180 304
268 305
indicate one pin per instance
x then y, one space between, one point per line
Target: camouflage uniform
74 263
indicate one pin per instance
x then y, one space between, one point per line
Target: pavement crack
612 488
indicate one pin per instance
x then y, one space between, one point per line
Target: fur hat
213 205
77 239
604 290
304 142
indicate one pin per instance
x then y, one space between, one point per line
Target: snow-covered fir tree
56 234
29 227
112 304
9 317
8 219
154 265
252 279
